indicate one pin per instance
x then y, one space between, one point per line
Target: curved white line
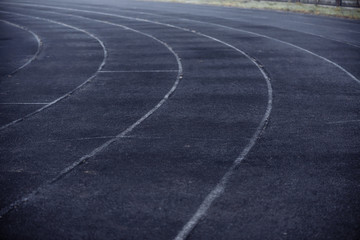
73 90
39 45
65 171
220 187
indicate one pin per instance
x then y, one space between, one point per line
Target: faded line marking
23 103
36 54
99 149
79 139
73 90
142 138
140 71
220 187
345 121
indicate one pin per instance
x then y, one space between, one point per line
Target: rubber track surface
144 120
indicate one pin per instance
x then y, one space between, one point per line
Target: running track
143 120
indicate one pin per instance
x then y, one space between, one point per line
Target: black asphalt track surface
144 120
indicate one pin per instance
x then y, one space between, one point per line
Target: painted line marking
345 121
36 54
79 139
99 149
24 103
140 71
142 138
73 90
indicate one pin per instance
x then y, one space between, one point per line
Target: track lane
31 59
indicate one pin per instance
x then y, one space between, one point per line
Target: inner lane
47 78
18 47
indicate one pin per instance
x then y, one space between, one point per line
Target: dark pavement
143 120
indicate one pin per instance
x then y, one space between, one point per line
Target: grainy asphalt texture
142 120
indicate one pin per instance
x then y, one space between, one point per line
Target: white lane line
176 27
140 71
138 137
23 103
73 90
39 45
79 139
123 134
345 121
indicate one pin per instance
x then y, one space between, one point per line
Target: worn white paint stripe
23 103
73 90
80 139
220 187
113 139
345 121
38 41
140 71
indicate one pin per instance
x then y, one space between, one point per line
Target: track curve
298 181
38 41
